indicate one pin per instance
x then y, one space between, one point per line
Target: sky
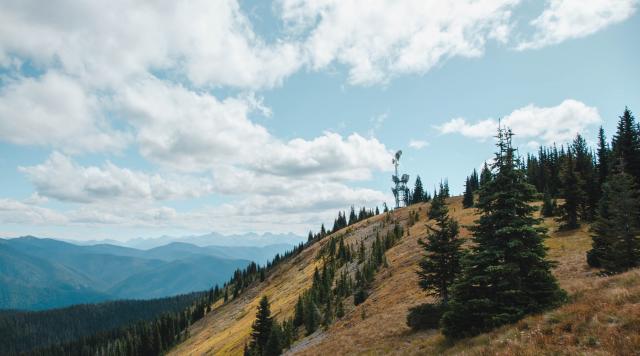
125 118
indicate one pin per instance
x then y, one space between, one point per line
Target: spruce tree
274 344
311 315
572 195
626 144
587 179
604 155
298 316
616 233
548 205
505 276
441 263
485 175
437 207
467 198
261 328
418 192
474 180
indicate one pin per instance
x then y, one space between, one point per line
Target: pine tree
485 175
274 344
587 180
616 233
548 205
441 263
467 199
572 195
505 276
604 155
437 207
626 144
311 315
261 328
298 317
418 192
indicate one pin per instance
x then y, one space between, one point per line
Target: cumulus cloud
567 19
55 111
62 179
16 212
193 131
547 124
207 42
381 39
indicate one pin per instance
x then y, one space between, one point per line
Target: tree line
505 275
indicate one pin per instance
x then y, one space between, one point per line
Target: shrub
425 316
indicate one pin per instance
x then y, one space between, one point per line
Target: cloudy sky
130 118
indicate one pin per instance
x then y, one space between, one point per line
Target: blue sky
254 116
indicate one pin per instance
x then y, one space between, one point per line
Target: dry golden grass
601 318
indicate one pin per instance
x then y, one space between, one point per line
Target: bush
360 296
425 316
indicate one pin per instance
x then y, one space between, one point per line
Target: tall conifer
505 276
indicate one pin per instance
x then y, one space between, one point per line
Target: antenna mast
400 190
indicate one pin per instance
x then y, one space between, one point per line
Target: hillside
38 273
602 316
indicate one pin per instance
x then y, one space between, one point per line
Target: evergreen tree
485 175
261 328
437 207
505 276
572 195
298 316
274 344
441 263
548 205
474 180
604 155
418 192
626 144
311 315
616 233
467 199
587 180
352 216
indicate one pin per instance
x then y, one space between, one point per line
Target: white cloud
192 131
62 179
208 42
418 144
383 38
547 124
567 19
54 110
17 212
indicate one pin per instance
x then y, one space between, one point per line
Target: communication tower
400 190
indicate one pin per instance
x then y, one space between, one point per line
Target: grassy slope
602 317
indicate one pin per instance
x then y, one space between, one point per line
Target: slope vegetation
602 316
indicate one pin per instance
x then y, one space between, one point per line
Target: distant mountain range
214 238
37 273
